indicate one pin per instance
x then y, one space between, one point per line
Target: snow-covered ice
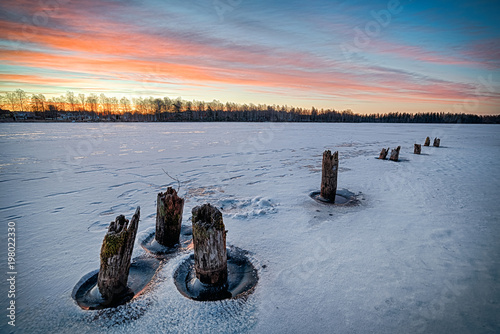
419 254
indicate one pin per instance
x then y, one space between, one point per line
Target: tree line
93 107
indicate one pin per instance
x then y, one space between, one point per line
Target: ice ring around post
242 278
142 270
342 198
150 245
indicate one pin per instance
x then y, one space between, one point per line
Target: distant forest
19 106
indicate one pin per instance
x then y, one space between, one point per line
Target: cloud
120 44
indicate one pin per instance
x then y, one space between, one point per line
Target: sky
367 56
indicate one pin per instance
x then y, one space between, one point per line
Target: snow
419 254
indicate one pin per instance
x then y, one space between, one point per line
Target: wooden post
383 154
395 154
169 208
209 239
417 148
329 172
116 252
437 141
427 141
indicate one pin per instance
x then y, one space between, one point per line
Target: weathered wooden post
427 141
209 239
329 171
383 154
417 148
116 252
395 154
169 208
436 143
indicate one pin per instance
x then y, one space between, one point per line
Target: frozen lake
420 254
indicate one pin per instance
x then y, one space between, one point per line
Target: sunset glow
371 57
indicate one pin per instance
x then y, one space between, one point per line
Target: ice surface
241 278
420 254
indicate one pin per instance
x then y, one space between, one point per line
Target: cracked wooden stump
383 154
116 252
209 239
169 208
427 141
329 172
436 143
395 154
417 148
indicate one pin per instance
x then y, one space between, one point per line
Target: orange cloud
329 84
113 51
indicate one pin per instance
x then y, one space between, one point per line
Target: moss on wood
112 244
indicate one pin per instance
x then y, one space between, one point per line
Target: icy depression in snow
420 253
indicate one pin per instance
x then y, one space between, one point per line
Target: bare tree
93 102
22 98
200 106
125 104
3 101
150 105
41 100
114 105
177 105
168 104
71 100
158 105
139 105
105 103
189 110
34 103
11 99
60 102
167 109
81 98
38 103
